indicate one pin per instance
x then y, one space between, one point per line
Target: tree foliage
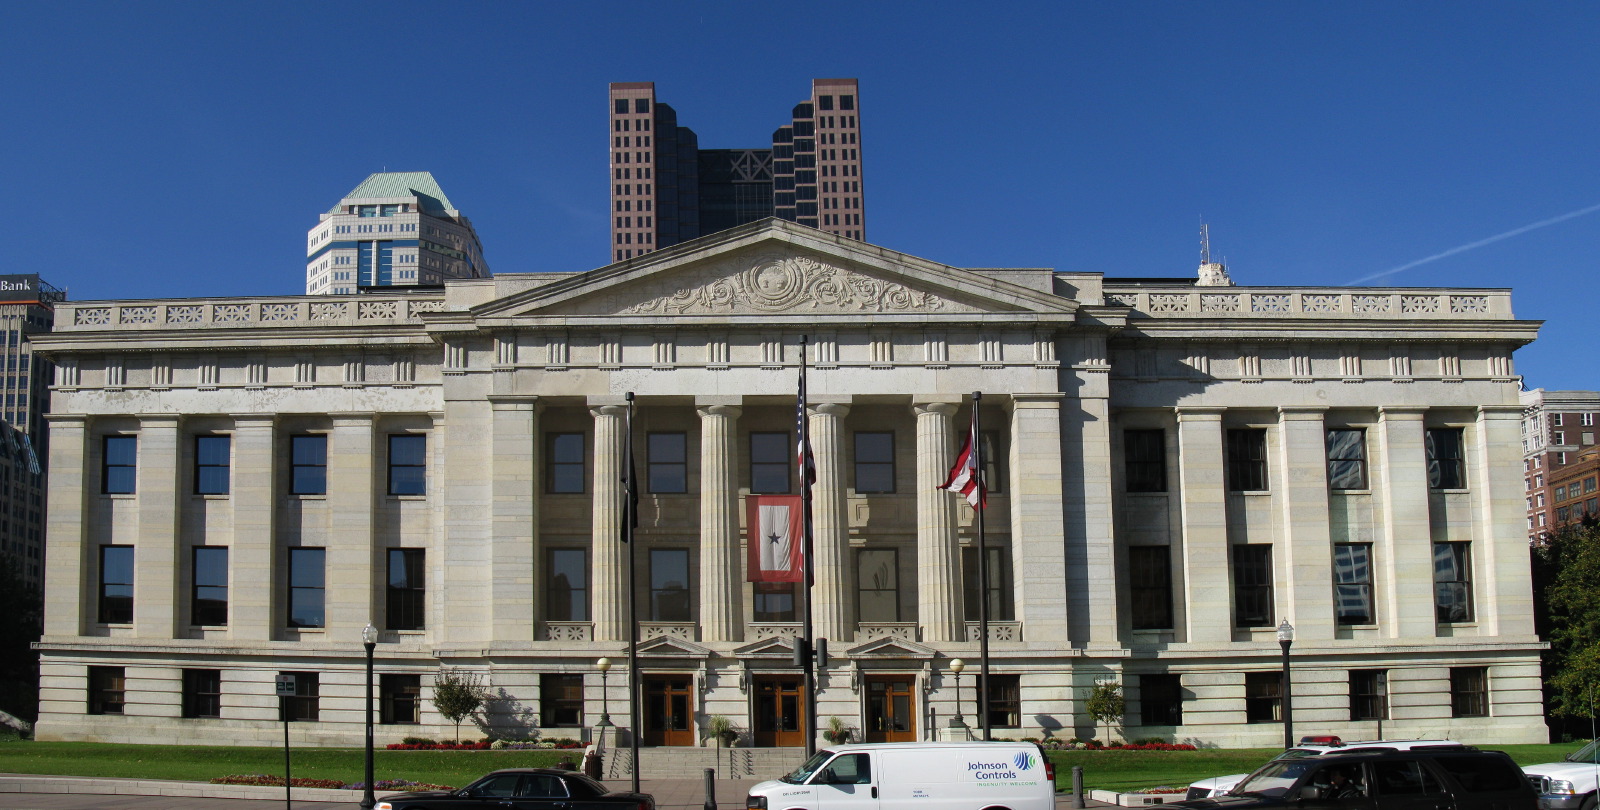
457 694
1571 559
22 606
1105 703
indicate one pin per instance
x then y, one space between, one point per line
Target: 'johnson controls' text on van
926 776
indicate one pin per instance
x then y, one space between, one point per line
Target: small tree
457 694
1105 703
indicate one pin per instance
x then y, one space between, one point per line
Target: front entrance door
889 709
668 711
779 702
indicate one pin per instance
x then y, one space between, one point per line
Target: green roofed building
395 229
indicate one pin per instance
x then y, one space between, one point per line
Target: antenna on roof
1205 242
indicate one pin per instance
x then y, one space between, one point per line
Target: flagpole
629 518
806 629
983 572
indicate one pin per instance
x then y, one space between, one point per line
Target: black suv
1453 778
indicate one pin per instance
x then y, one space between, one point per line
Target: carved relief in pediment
780 283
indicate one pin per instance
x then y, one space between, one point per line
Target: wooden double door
668 715
779 711
891 709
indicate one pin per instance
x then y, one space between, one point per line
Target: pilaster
352 558
468 469
514 531
1207 578
1505 599
250 580
939 598
1307 595
159 483
1406 527
1038 517
1087 503
721 609
69 561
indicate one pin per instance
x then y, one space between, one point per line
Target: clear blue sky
161 149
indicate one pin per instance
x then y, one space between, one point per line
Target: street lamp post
369 639
1286 640
604 665
955 670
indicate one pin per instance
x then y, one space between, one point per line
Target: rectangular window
774 602
560 701
1469 691
1150 586
994 478
564 465
1144 460
874 462
408 464
1160 700
1558 437
669 585
1263 697
308 464
770 461
1369 694
208 602
1005 701
878 585
1252 585
1347 459
304 706
399 698
999 571
1352 583
1247 460
116 584
567 599
118 469
107 690
406 603
211 456
1452 582
306 579
668 462
202 693
1447 467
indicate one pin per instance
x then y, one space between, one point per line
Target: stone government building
240 485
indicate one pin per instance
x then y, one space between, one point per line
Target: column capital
707 401
717 409
66 419
1500 412
929 399
601 400
939 408
1301 413
255 420
837 410
607 410
1402 413
351 419
514 402
159 419
1199 414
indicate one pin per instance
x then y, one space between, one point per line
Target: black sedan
523 789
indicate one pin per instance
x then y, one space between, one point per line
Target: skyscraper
665 189
26 309
396 229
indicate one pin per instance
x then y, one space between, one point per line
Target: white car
1569 784
1218 785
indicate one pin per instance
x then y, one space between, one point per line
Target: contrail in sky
1478 244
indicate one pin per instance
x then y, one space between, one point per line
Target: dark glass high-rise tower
665 189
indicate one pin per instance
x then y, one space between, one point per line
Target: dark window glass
993 459
560 701
119 470
208 604
304 706
1145 460
1352 583
1150 584
824 102
774 602
1160 700
308 464
116 584
211 456
874 462
567 599
407 589
306 579
408 464
769 463
1469 691
1252 585
1369 694
847 102
1347 459
1446 459
399 697
1397 778
669 585
1452 582
1486 774
202 693
641 105
1263 702
877 585
999 571
1247 460
564 465
620 106
1005 701
668 462
107 690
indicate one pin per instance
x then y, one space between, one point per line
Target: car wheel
1589 802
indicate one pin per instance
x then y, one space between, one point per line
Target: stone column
250 580
156 560
1038 516
1092 602
1207 578
70 559
513 529
464 487
721 608
1405 554
353 561
830 524
610 575
1308 551
939 598
1504 603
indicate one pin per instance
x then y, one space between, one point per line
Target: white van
915 776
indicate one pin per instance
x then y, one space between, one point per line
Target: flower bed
267 780
1096 745
486 744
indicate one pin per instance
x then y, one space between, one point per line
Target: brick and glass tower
27 308
665 189
396 229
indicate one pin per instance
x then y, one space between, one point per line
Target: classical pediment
669 647
890 647
775 647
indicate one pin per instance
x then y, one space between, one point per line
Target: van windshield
804 772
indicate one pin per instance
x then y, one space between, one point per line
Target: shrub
418 741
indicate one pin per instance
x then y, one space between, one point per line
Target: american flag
804 462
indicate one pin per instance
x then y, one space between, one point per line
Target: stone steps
690 763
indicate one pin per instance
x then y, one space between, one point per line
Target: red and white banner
966 478
776 526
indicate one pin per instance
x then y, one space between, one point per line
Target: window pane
1150 582
1446 469
116 584
408 455
561 701
669 585
119 472
874 466
306 577
399 697
1160 700
565 473
1144 460
568 596
1347 467
774 602
1247 460
1352 576
211 464
406 591
668 462
1452 582
1252 585
308 465
210 602
878 581
769 462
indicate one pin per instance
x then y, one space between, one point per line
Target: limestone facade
1177 469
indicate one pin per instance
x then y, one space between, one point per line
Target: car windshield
1273 779
1589 753
804 772
1298 753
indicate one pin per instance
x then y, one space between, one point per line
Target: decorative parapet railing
756 632
1259 302
233 313
684 630
905 630
998 631
569 631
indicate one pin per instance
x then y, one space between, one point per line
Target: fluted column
70 559
250 585
938 560
830 524
155 556
610 560
720 606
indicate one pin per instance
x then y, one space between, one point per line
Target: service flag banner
966 476
775 538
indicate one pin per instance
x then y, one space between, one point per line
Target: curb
26 783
